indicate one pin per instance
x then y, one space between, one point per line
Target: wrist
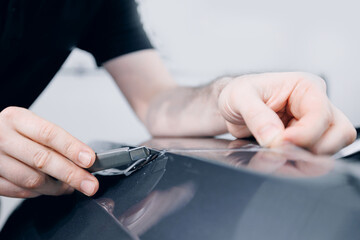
218 85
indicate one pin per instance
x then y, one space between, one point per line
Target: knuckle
46 133
69 176
41 158
68 148
34 182
320 82
313 79
9 112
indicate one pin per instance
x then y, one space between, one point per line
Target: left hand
285 107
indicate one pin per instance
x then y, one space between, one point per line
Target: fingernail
85 158
268 135
87 187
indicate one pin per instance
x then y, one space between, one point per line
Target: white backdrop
200 40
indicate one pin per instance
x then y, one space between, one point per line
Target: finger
238 131
45 160
310 106
340 134
260 119
48 134
63 190
26 177
9 189
307 130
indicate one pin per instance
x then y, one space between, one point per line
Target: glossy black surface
207 189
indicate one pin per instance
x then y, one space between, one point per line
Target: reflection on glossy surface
139 218
157 205
287 160
209 189
107 203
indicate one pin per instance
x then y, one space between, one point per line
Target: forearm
187 111
273 107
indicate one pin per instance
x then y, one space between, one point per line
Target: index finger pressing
261 120
314 115
54 137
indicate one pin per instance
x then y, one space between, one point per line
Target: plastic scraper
123 160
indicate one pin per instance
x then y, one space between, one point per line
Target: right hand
285 107
38 157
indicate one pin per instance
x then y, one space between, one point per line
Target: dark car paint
185 195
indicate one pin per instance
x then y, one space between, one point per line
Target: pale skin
38 157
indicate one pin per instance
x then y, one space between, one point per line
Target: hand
38 157
285 107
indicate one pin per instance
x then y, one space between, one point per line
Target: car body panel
206 189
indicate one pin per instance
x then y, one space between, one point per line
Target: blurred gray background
202 39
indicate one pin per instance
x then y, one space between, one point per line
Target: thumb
261 120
